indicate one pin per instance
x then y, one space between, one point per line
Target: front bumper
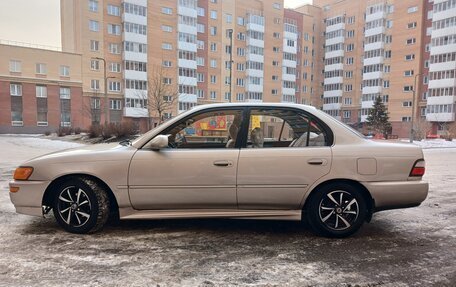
397 194
29 199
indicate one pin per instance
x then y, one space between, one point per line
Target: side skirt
129 213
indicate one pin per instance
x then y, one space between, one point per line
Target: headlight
23 172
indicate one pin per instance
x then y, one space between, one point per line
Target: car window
283 128
214 129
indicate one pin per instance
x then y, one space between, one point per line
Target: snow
433 143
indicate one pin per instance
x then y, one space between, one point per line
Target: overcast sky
38 21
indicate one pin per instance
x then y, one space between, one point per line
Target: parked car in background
246 160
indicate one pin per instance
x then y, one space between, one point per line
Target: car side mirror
157 143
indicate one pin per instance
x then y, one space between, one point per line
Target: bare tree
161 94
421 128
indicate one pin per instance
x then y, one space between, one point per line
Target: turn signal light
23 173
14 189
418 169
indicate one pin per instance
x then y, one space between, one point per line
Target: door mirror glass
158 142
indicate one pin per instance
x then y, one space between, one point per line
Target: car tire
336 210
81 205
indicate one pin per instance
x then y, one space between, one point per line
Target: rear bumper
28 200
397 194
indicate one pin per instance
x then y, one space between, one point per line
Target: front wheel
336 210
81 206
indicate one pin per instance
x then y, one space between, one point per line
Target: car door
286 152
198 170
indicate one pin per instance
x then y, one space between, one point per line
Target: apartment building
373 48
441 94
40 90
208 50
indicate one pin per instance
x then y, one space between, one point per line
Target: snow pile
434 143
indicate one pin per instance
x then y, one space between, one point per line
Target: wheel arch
50 190
370 202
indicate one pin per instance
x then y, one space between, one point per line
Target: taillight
418 169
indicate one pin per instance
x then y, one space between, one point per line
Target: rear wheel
336 210
81 205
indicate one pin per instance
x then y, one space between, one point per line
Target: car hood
95 152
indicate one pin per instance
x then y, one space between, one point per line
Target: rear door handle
315 161
223 163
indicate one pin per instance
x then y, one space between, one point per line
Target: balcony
372 75
333 67
375 31
373 61
133 56
446 66
333 54
372 90
255 57
188 81
436 16
289 77
374 46
288 49
189 64
334 40
290 35
333 80
443 100
288 91
132 18
187 46
367 104
376 16
185 11
188 98
254 88
440 117
134 37
255 27
334 106
443 83
255 42
254 73
340 26
289 63
135 75
135 112
334 93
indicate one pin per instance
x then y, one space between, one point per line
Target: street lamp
230 34
413 108
105 90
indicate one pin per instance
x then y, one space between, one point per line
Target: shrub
94 131
63 131
47 133
77 131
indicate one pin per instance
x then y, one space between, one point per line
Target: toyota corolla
245 161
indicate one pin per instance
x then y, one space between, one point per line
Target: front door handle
223 163
315 161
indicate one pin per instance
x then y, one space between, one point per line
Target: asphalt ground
408 247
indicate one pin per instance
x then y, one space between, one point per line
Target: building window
65 93
167 81
167 10
200 28
408 73
213 79
347 114
64 71
407 104
95 85
41 91
406 119
274 91
386 84
113 29
114 86
93 5
94 45
113 10
276 6
240 97
411 25
114 48
15 66
201 11
410 57
410 41
213 95
115 104
114 67
166 28
167 64
94 65
213 14
200 93
94 26
412 9
40 68
276 35
213 63
228 18
240 21
389 24
95 103
167 46
408 88
16 90
213 31
213 47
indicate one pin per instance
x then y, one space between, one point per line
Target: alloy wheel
338 210
74 206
